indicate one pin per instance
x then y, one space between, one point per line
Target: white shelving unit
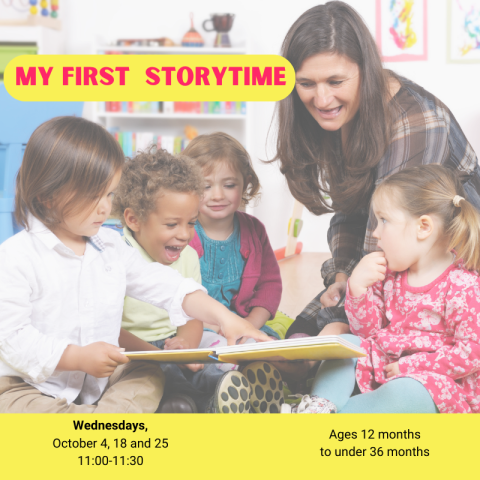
236 125
170 116
47 40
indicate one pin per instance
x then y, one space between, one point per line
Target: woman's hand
333 294
371 269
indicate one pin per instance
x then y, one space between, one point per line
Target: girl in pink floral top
415 304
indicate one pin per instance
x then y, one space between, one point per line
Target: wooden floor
301 281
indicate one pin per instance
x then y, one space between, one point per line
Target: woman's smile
330 113
329 87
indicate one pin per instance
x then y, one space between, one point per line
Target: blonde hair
209 150
430 190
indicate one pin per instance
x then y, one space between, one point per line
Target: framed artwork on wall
401 30
463 31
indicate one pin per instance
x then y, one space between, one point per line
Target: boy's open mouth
173 252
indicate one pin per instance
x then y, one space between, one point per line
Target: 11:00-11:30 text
105 460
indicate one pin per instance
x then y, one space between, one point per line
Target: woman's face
329 86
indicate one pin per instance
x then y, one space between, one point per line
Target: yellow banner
266 78
239 446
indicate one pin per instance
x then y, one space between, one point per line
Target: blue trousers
198 385
335 381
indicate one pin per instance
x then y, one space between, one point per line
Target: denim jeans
198 385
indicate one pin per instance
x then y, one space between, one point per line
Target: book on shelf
134 142
168 107
214 108
291 350
131 107
187 107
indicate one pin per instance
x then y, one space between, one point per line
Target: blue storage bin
18 120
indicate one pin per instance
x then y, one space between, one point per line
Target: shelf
171 116
33 21
172 124
173 50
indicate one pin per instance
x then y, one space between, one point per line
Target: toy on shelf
54 7
221 24
190 132
192 38
36 13
33 8
295 224
44 8
145 42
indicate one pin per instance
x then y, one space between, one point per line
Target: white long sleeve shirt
51 298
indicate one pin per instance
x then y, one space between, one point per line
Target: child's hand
179 343
176 343
204 308
100 359
392 370
235 327
371 269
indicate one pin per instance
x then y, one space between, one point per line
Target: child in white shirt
63 280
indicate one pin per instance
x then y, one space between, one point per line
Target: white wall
263 25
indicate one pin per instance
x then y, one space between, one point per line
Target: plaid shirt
426 132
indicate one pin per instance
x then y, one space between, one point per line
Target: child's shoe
177 403
314 404
267 387
232 395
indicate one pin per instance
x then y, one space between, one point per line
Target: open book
307 348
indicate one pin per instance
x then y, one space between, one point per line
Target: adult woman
347 125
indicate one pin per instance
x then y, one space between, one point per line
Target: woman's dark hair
311 158
68 164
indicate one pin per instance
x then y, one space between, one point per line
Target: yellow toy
44 8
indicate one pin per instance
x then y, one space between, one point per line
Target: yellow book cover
200 355
311 348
